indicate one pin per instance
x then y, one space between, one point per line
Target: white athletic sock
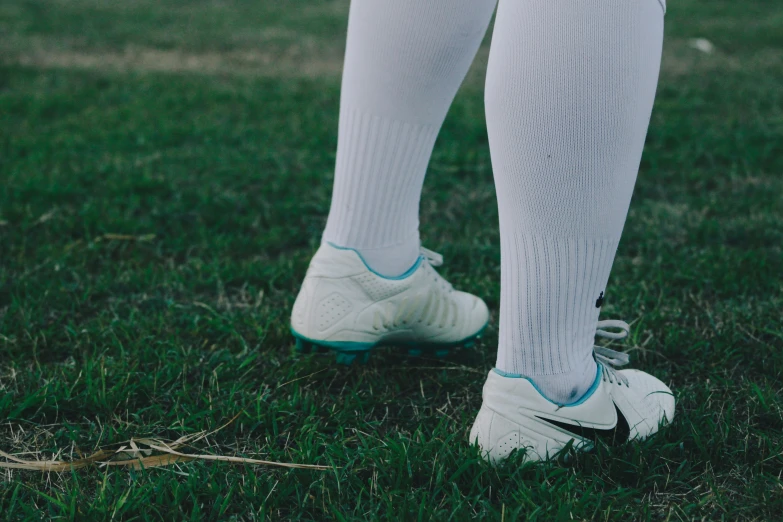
569 92
404 61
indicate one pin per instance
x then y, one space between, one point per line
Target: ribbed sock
569 92
404 61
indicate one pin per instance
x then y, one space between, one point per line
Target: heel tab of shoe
332 261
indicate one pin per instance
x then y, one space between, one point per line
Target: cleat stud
414 352
346 358
469 344
440 354
363 357
303 346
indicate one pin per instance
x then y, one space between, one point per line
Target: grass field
165 173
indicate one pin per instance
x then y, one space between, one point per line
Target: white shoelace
432 257
609 358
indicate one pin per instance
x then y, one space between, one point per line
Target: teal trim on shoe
404 275
339 346
350 348
584 397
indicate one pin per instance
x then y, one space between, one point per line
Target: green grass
223 175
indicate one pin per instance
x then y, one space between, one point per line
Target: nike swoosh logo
616 435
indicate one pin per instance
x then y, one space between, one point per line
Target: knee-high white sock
404 61
569 92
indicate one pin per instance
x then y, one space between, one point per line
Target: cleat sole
348 353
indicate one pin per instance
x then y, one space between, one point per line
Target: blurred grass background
165 172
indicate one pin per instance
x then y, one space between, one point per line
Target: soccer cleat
347 308
621 405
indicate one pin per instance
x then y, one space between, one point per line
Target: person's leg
569 92
404 61
370 284
570 88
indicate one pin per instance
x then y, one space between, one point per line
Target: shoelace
609 358
432 257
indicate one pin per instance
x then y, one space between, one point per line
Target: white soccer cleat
345 307
622 405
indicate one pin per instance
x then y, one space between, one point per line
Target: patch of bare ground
323 61
291 62
680 58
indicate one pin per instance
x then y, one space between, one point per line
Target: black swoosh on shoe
617 435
